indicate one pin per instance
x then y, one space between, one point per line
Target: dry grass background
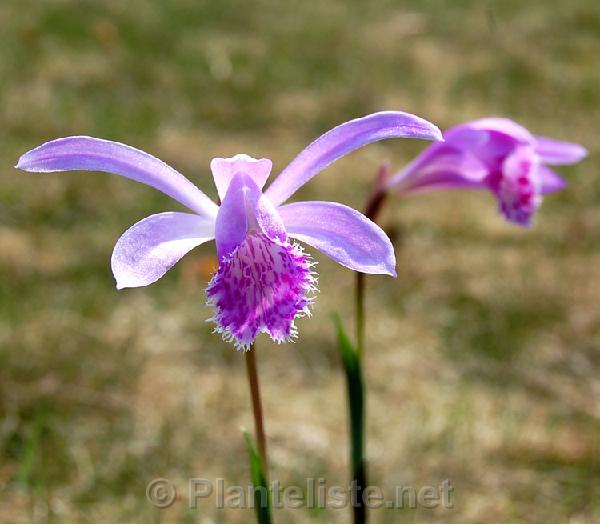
483 357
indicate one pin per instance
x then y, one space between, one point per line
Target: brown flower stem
256 406
356 384
372 210
359 299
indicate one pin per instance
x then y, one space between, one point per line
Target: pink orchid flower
495 154
263 280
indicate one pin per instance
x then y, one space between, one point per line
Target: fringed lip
261 287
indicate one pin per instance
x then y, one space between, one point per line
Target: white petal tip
378 270
27 165
27 162
127 285
389 271
435 133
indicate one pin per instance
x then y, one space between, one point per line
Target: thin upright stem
257 411
359 299
356 388
372 209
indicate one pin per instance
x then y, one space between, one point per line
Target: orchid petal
550 181
244 208
504 126
94 154
224 169
149 248
343 234
343 139
557 152
465 138
501 137
440 167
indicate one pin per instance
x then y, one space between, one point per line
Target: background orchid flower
496 154
263 280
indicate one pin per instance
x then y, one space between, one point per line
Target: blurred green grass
483 360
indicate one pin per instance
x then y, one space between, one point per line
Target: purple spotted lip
263 281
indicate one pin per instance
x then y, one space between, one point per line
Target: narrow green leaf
356 407
262 495
354 381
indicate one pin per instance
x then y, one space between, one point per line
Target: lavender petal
438 168
550 181
503 126
149 248
557 152
343 234
94 154
224 169
344 139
